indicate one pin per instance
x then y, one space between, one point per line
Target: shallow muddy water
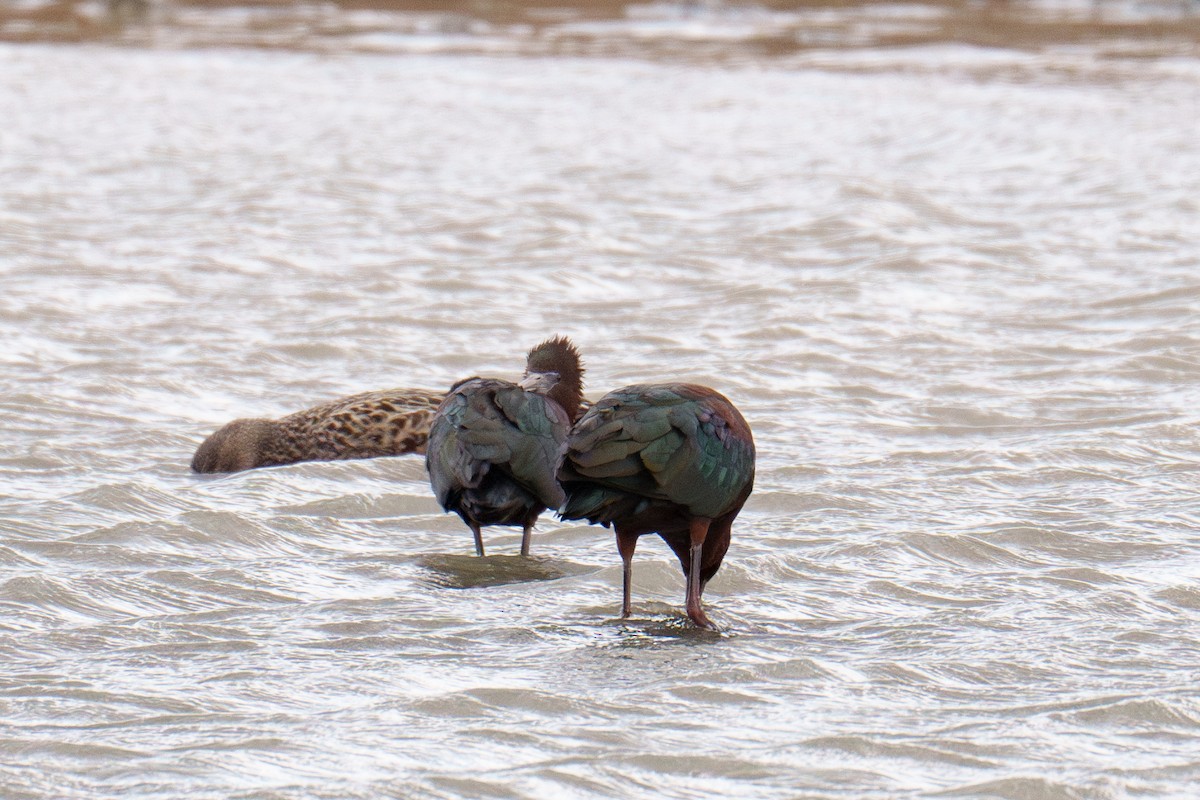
953 288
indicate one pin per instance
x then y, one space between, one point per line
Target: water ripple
950 287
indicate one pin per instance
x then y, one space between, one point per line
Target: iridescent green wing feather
487 424
667 443
450 457
535 432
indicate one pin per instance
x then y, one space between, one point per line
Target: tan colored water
955 289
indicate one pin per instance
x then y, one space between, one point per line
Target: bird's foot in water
700 619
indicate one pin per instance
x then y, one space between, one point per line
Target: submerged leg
478 539
626 544
698 531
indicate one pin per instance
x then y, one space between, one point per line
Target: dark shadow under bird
494 445
369 425
674 459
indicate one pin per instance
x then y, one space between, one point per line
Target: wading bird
674 459
494 446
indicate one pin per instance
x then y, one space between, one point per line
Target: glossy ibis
674 459
494 445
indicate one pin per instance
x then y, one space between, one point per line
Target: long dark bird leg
478 539
626 544
527 535
698 530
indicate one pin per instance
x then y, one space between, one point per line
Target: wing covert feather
664 442
488 424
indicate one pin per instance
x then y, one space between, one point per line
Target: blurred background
700 28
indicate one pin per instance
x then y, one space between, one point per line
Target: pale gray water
954 290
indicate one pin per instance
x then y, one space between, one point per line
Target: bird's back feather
486 426
679 443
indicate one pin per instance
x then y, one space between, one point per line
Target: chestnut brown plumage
494 445
385 423
674 459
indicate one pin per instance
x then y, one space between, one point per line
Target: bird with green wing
494 445
674 459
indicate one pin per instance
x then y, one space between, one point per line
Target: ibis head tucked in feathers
674 459
494 445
